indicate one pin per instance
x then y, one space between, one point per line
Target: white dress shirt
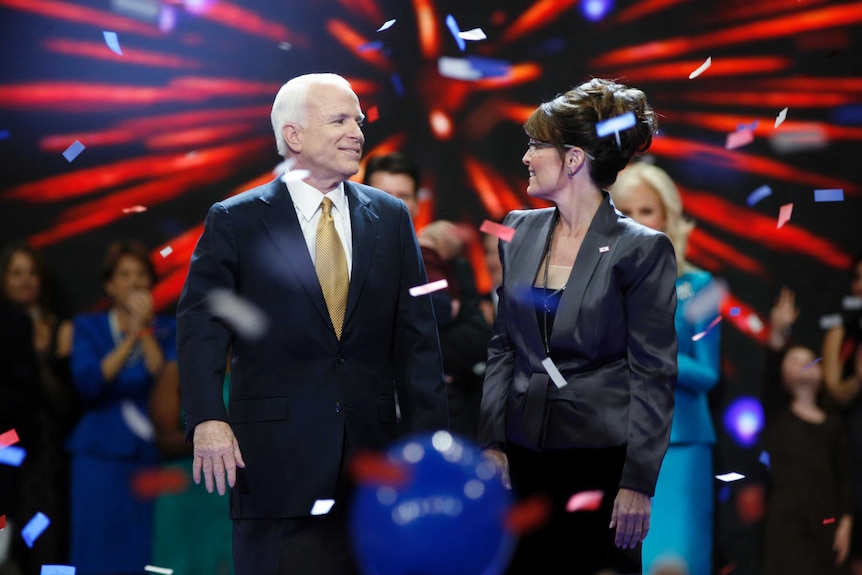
306 201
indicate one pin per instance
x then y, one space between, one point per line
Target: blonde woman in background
681 526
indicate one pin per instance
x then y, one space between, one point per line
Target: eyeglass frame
533 145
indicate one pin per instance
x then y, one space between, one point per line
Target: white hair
291 103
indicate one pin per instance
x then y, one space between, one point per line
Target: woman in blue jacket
681 526
117 356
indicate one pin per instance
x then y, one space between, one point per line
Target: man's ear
292 137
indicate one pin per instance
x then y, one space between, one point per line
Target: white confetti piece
615 125
701 70
386 25
137 421
322 506
585 501
113 42
555 374
429 288
245 318
474 35
166 251
831 321
782 115
851 302
161 570
728 477
604 249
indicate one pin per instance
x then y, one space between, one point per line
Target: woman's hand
502 462
140 308
631 518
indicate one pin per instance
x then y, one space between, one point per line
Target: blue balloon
446 518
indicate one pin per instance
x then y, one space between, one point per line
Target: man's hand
217 453
631 518
841 543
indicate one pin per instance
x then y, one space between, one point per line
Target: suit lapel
597 244
528 249
363 223
282 224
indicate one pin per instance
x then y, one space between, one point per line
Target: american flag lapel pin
604 249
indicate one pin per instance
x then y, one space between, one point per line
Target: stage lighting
595 10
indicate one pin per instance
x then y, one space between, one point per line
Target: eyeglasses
534 145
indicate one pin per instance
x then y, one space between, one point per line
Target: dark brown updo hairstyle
121 248
571 118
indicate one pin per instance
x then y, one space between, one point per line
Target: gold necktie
331 265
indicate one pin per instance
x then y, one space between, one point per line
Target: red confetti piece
8 438
376 469
528 515
505 233
828 521
151 483
2 522
373 114
739 139
134 210
585 501
784 214
726 569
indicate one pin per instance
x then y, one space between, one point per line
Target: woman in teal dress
681 526
192 528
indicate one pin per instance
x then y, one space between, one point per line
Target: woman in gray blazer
578 392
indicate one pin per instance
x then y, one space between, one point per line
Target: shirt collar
308 198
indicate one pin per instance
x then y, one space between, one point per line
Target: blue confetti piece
615 125
377 45
453 27
850 114
758 195
488 67
12 455
815 362
764 458
34 528
750 127
113 42
734 311
724 493
72 151
828 195
396 83
57 570
4 134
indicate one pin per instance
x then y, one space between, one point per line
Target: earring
570 173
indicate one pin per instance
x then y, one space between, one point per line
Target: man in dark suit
320 383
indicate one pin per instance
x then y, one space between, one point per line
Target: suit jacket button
340 359
338 407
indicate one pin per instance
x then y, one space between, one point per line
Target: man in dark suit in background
320 383
463 328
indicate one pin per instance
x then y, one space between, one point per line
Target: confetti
373 114
604 249
377 469
799 139
784 214
376 45
135 210
34 528
113 42
831 321
738 139
453 28
322 506
2 522
285 46
8 438
72 151
137 422
528 515
699 336
386 25
161 570
165 252
815 362
245 318
752 126
758 194
555 374
851 302
505 233
615 125
701 70
474 35
734 311
828 521
428 288
149 484
829 195
397 85
764 458
12 455
728 477
782 115
585 501
457 69
57 570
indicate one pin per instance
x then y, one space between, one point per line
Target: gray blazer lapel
597 244
282 225
363 223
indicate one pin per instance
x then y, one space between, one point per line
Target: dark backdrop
180 120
